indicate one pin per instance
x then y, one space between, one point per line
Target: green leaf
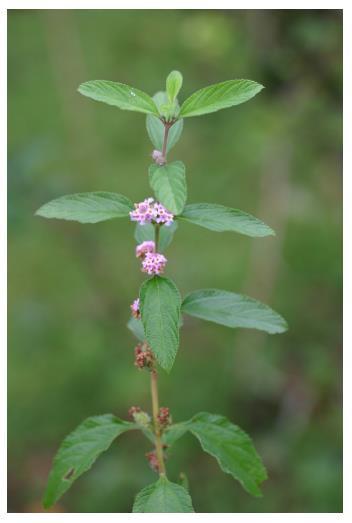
233 310
168 111
169 184
160 303
174 432
79 450
136 327
155 129
219 96
232 448
120 95
183 481
219 218
163 496
88 207
146 232
173 85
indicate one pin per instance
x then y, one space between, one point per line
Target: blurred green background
277 157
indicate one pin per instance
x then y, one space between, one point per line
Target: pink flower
154 263
135 309
143 248
162 215
144 212
150 211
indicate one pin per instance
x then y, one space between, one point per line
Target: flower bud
158 157
136 313
139 416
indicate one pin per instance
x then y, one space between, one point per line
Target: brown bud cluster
153 459
164 418
143 356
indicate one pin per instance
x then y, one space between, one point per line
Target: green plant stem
155 407
156 236
167 126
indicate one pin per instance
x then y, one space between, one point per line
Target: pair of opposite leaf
206 100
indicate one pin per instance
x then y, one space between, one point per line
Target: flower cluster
144 357
154 263
150 211
144 247
136 313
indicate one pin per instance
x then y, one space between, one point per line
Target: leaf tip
47 502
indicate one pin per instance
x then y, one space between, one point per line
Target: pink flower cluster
153 263
150 211
143 248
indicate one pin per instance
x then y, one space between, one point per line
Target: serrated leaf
232 448
163 496
233 310
156 130
79 450
219 218
88 207
121 95
169 185
173 85
219 96
136 327
160 304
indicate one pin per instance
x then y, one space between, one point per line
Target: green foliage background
277 157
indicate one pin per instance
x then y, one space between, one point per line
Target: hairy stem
155 406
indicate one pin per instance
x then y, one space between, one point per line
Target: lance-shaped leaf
232 448
120 95
160 304
87 207
219 96
173 85
169 184
233 310
163 496
219 218
79 450
146 232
